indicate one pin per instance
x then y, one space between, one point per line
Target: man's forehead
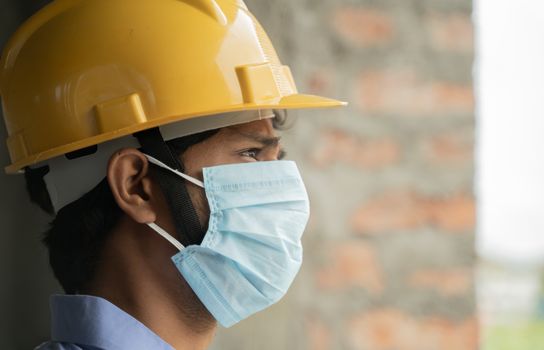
255 129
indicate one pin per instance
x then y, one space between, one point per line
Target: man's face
250 142
141 198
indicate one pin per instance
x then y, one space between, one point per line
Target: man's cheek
200 203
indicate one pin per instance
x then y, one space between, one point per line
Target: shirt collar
95 322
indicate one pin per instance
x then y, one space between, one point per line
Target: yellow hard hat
82 72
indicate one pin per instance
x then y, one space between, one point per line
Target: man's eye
251 153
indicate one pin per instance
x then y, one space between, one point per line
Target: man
147 127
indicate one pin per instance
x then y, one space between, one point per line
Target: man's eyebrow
264 140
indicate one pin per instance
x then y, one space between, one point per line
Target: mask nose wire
164 166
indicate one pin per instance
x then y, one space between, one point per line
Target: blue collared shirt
82 322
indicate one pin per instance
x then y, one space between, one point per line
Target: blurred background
399 254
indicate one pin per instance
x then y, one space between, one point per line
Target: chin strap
181 207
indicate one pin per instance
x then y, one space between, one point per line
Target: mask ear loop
154 226
164 166
166 236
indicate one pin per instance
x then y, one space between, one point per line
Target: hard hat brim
295 101
308 101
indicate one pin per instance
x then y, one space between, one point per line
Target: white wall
510 87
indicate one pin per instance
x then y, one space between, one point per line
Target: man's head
129 192
158 70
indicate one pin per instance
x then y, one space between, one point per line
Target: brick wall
389 250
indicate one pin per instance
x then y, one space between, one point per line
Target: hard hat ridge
210 7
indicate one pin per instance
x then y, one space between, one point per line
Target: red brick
452 282
403 93
451 32
318 335
391 211
339 146
320 82
388 329
396 211
364 27
455 214
450 149
352 264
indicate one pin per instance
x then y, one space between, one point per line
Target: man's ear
130 184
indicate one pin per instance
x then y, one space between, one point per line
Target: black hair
77 234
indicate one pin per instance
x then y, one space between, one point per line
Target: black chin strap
181 207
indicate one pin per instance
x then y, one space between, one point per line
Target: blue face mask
252 250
